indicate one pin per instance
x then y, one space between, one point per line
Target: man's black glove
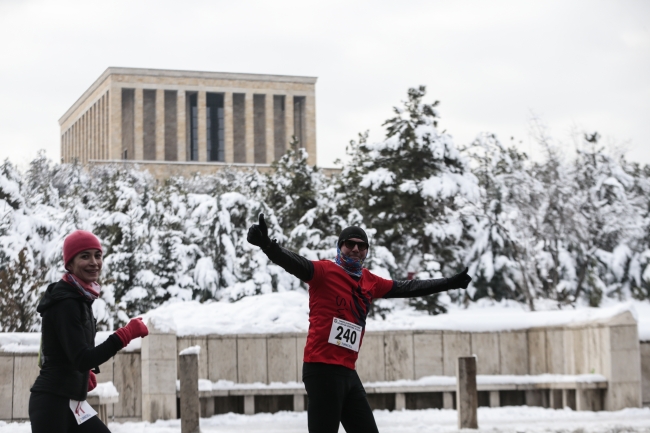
258 234
458 281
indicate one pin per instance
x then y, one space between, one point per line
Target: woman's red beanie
78 241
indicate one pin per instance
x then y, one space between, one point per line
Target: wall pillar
288 119
310 133
160 124
250 128
115 115
249 405
622 364
229 139
202 126
181 125
91 132
447 400
138 128
269 126
83 142
298 403
495 400
96 130
400 401
158 361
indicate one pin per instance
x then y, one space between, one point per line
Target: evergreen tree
500 253
20 273
19 293
609 223
411 188
291 188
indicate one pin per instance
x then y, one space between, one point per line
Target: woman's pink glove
92 381
134 329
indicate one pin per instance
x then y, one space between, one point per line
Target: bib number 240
345 334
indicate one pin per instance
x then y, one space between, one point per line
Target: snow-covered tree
411 188
20 263
608 224
501 263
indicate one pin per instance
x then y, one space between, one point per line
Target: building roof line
112 70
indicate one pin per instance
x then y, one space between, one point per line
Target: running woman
68 356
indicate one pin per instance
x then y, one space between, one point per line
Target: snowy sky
581 64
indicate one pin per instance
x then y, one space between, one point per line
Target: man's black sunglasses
350 245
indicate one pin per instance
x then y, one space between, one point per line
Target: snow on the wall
286 312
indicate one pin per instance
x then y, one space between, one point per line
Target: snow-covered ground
503 419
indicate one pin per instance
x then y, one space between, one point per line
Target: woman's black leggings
51 413
336 395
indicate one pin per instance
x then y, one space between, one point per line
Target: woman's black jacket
68 343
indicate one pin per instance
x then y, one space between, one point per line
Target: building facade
176 122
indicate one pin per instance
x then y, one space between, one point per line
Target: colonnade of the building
88 137
180 125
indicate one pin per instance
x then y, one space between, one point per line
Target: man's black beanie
352 232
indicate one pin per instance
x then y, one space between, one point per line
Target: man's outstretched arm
297 265
415 288
291 262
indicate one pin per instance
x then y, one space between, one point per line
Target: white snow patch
104 390
510 419
194 350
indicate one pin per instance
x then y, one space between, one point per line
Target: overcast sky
578 65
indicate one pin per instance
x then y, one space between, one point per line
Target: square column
100 127
92 142
104 135
106 131
447 400
115 116
310 133
96 130
159 372
138 122
400 401
84 149
288 119
268 117
181 125
298 403
250 136
82 139
229 139
495 400
160 125
75 148
202 126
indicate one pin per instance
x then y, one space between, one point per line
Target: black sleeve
71 335
414 288
291 262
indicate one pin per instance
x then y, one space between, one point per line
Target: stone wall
147 381
18 371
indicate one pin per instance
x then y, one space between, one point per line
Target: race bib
82 411
345 334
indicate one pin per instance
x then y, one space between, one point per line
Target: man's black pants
51 413
336 395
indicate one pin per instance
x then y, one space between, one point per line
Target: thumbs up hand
460 281
258 234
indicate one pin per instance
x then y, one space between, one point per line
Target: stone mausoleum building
181 122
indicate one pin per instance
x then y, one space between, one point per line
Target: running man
340 294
